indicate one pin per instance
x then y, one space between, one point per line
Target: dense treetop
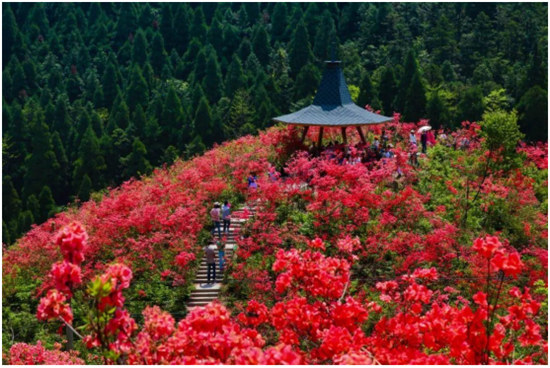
95 93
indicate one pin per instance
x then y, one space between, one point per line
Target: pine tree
167 25
199 72
213 36
203 124
533 116
241 113
110 84
172 117
126 24
138 92
245 48
181 24
387 90
90 160
470 106
33 206
415 105
11 203
307 81
158 53
326 37
411 67
63 173
260 45
195 147
26 219
6 236
47 204
136 162
9 32
300 50
437 111
139 49
41 163
198 25
235 78
279 21
84 189
212 82
366 91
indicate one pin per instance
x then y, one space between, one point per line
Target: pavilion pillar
320 141
360 131
344 135
304 133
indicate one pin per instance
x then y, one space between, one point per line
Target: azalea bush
444 262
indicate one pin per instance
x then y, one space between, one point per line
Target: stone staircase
205 293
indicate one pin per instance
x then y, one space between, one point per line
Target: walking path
205 293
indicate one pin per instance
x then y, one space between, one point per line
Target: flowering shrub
25 354
341 264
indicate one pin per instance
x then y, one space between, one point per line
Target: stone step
202 292
201 298
197 304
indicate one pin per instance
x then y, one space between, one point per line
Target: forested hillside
94 94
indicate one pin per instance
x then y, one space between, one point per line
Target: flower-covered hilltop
350 258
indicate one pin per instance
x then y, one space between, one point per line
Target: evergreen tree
260 45
415 104
136 162
300 50
326 37
533 116
235 78
241 113
181 25
307 81
84 189
63 173
411 67
47 204
245 49
212 82
167 25
158 53
138 92
33 206
279 21
11 203
387 90
90 160
139 48
195 147
214 33
110 84
366 91
41 163
437 111
6 236
203 123
126 24
172 117
470 106
9 32
198 25
26 219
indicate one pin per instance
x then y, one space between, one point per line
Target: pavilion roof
332 105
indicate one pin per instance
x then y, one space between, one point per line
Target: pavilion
333 107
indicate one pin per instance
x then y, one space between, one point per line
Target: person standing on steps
211 263
221 253
226 217
252 181
215 215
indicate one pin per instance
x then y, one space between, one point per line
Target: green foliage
501 133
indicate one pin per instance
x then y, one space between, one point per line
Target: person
211 263
384 138
412 138
252 181
221 254
215 215
226 216
424 141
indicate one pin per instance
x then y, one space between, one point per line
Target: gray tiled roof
332 105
